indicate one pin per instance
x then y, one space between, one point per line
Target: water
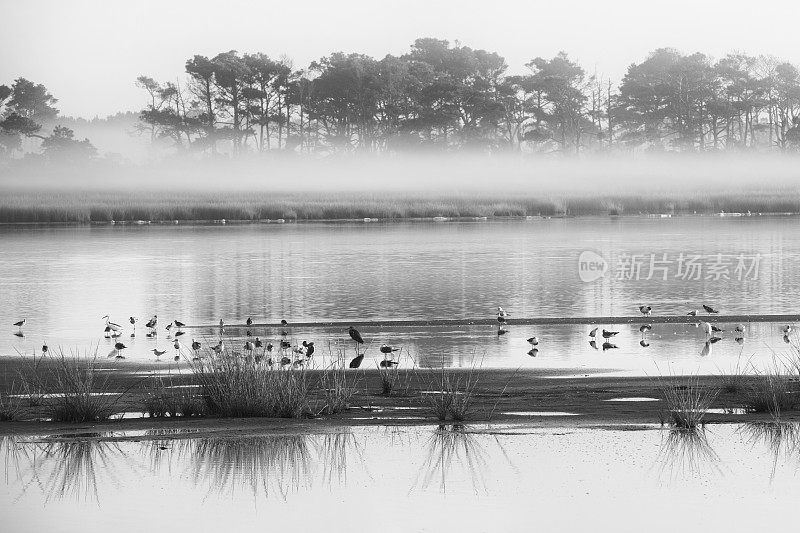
63 280
499 478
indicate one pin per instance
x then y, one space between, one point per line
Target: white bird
533 341
116 328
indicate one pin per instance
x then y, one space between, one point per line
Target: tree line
443 96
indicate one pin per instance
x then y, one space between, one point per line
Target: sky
89 52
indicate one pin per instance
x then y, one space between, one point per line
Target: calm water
63 280
505 478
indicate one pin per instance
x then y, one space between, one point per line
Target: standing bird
284 322
693 312
739 328
787 329
533 341
116 328
355 335
501 312
219 347
44 348
20 323
501 330
158 353
386 349
195 345
356 362
644 328
388 363
309 346
152 323
248 346
249 321
593 333
179 324
608 334
710 309
645 310
119 346
260 344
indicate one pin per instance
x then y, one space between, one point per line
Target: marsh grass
686 401
164 398
337 385
771 392
10 408
235 387
453 399
390 378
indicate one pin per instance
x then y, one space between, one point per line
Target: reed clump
452 395
82 392
687 402
165 399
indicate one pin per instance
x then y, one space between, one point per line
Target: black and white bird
533 341
158 353
388 363
608 334
309 347
152 323
644 328
113 326
386 349
284 322
645 310
787 329
179 324
44 349
20 323
710 309
643 343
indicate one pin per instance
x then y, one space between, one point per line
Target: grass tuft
687 402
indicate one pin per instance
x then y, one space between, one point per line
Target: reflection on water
301 481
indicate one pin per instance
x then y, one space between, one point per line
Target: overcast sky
89 52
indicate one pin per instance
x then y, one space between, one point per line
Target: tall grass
453 399
235 387
164 399
10 408
338 385
23 206
686 402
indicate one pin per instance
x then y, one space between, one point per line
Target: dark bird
195 345
710 309
355 335
179 333
608 334
284 323
152 322
533 341
248 333
787 329
179 324
386 363
533 352
285 360
386 349
270 347
715 329
150 335
739 340
356 362
19 334
177 358
248 322
645 310
258 343
501 319
645 328
608 346
692 312
44 349
119 356
284 333
501 330
309 346
593 333
786 339
158 353
169 326
119 346
739 328
593 344
713 340
285 345
643 343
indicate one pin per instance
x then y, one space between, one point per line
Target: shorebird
533 341
177 345
21 323
386 349
355 335
693 312
270 347
645 328
249 322
643 343
179 333
168 328
710 309
249 346
219 347
645 310
501 330
593 344
713 340
285 345
609 346
179 324
739 328
608 334
707 328
284 322
44 348
787 329
533 352
309 346
258 343
388 363
715 329
356 362
158 353
110 325
119 346
195 345
152 323
593 333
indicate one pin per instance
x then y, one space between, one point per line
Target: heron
645 310
249 322
593 333
20 323
179 324
356 336
533 341
356 362
710 310
309 346
608 334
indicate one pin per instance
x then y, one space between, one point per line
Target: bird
177 344
285 360
179 324
177 358
787 329
593 344
44 348
179 333
645 310
608 346
501 330
270 347
715 329
309 346
355 335
501 319
707 328
593 333
158 353
110 325
21 323
219 347
285 345
152 323
386 349
195 345
533 352
221 323
645 328
19 334
643 343
739 340
710 309
249 321
133 321
608 334
693 312
249 346
284 322
356 362
533 341
786 339
501 312
388 363
169 326
119 346
739 328
258 343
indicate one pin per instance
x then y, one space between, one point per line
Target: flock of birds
286 353
300 352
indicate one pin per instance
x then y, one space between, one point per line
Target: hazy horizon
102 47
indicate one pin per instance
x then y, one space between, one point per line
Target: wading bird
20 323
608 334
533 341
609 346
249 322
739 328
386 349
643 343
195 345
110 325
152 323
644 328
787 329
715 329
356 336
645 310
259 344
356 362
179 333
158 353
710 309
309 346
693 312
44 348
593 333
179 324
714 340
388 363
593 344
